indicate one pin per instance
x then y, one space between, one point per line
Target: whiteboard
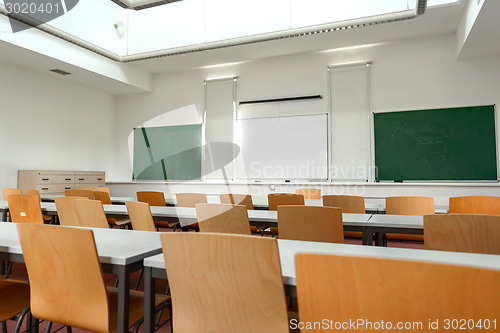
293 147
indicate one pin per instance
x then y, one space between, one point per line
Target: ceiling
440 20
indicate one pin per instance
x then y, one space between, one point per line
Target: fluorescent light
349 48
223 65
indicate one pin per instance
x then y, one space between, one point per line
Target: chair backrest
309 193
80 193
152 198
475 205
65 276
9 191
223 218
140 215
91 214
25 208
102 196
190 199
277 199
398 291
237 199
66 210
95 188
462 233
348 203
309 223
241 289
33 192
409 205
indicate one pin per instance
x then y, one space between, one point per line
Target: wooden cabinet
54 181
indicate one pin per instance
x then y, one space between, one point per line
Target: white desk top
289 248
396 221
114 246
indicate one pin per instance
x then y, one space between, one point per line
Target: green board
167 153
442 144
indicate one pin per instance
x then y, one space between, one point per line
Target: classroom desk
120 252
155 265
438 209
381 224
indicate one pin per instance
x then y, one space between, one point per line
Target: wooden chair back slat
309 193
237 199
223 218
277 199
409 205
91 214
25 208
235 283
462 233
348 203
475 205
309 223
374 289
80 193
65 276
190 199
140 216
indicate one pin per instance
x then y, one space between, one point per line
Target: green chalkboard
441 144
167 153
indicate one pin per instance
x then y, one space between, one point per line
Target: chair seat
165 224
15 296
136 306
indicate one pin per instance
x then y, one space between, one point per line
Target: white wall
406 75
51 124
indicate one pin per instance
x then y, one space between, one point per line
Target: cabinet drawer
90 179
55 179
54 188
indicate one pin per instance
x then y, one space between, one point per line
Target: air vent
59 71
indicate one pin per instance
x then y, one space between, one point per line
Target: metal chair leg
139 281
49 326
9 270
20 319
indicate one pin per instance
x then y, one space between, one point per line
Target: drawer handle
67 188
45 179
45 188
99 178
67 179
81 178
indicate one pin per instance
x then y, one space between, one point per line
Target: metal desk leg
4 215
123 298
367 236
149 300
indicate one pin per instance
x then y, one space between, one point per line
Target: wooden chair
155 199
475 205
240 199
95 188
80 193
308 223
91 214
14 300
9 191
140 216
408 206
223 218
374 289
237 199
25 209
105 199
281 199
46 218
190 200
66 210
71 290
349 204
309 193
462 233
241 289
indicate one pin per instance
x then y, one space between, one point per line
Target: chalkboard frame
493 153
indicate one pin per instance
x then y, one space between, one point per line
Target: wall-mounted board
456 144
167 153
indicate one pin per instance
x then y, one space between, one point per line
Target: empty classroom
371 120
